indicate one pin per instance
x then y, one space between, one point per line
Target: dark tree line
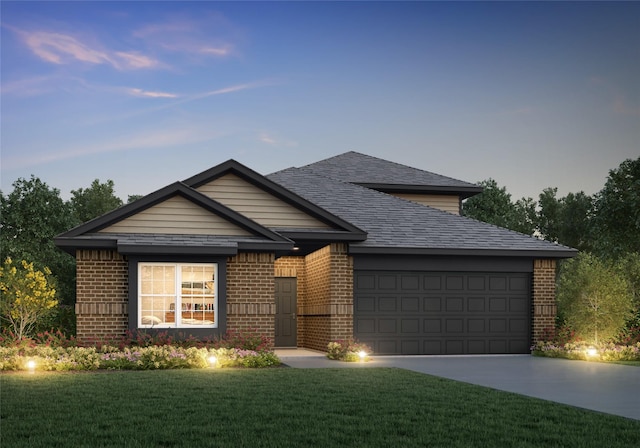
33 213
606 224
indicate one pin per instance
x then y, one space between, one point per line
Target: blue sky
532 94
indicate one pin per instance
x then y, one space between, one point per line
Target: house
350 246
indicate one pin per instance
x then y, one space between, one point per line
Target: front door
286 328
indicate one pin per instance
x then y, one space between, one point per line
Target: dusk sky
532 94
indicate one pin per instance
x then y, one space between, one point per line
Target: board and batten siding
176 216
447 203
258 205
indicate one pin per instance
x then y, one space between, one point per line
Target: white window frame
178 296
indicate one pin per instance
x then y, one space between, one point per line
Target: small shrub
347 350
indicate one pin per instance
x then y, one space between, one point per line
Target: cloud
149 94
212 36
57 48
269 139
142 141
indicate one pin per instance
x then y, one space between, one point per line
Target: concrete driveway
609 388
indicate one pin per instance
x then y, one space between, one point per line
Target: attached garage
412 312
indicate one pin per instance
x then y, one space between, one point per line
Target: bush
136 351
347 350
580 350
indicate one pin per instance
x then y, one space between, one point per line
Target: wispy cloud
211 36
271 140
149 94
59 49
151 139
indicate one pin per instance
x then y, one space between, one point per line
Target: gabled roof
342 229
397 226
88 234
389 177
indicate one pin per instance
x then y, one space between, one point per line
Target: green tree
566 220
594 299
98 199
617 211
494 206
27 295
133 197
32 215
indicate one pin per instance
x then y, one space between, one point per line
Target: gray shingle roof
359 168
394 223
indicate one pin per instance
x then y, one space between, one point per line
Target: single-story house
351 246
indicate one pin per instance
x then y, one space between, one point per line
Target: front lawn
284 407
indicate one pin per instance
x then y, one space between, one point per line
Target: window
177 295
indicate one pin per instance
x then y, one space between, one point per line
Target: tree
26 296
32 215
494 206
595 300
133 197
566 220
617 211
98 199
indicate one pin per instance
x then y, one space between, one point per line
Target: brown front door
286 328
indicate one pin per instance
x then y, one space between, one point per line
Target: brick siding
324 294
251 293
544 297
102 295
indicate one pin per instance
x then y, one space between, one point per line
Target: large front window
177 295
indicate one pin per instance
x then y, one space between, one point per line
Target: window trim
182 332
177 295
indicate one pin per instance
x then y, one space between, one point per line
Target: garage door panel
410 326
454 304
410 304
445 313
432 304
365 326
432 325
387 304
476 304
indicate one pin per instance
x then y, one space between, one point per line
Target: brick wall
295 267
325 307
544 297
251 293
102 295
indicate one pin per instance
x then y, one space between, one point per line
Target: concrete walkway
609 388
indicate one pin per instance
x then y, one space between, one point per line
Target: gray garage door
427 313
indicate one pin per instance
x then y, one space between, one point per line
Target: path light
362 354
31 365
213 361
592 351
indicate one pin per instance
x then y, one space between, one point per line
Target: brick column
102 295
251 293
544 297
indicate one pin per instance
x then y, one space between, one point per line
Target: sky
531 94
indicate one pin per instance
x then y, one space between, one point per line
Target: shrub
245 340
579 350
347 350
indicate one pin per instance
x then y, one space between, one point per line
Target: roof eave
535 253
462 191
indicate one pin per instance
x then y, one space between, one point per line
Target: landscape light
592 351
31 365
213 361
362 354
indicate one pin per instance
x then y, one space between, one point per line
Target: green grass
284 407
